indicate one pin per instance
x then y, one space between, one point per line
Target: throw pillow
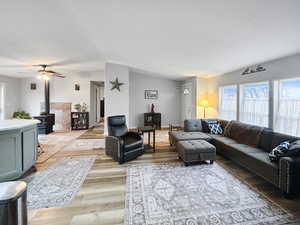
215 128
227 129
294 149
279 151
206 123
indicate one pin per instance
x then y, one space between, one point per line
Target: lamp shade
204 103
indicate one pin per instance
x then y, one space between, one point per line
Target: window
228 102
287 107
254 104
1 101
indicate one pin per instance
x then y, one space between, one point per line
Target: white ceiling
174 38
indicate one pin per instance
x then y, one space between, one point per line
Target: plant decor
22 115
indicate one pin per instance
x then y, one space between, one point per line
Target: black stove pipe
47 97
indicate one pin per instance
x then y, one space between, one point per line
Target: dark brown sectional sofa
248 146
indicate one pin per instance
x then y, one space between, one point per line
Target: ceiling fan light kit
46 74
43 76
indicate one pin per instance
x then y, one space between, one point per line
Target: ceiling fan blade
59 75
41 65
51 71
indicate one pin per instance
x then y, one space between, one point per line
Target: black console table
152 119
80 120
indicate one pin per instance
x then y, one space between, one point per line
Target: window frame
278 87
221 88
242 86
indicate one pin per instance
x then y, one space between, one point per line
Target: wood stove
47 119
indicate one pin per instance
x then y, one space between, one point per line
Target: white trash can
13 205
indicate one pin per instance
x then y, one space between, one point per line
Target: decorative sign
151 94
249 70
116 85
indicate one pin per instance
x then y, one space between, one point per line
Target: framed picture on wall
151 94
33 86
77 87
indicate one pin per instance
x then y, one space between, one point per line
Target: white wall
61 90
11 95
168 102
116 102
188 101
283 68
31 99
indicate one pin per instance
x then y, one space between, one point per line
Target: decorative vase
152 108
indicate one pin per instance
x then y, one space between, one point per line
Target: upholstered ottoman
175 136
194 151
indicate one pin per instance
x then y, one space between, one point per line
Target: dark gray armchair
120 144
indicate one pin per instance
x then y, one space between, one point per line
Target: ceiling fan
46 74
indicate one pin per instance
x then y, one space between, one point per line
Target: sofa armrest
113 147
289 169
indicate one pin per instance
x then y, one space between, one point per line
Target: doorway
2 87
97 110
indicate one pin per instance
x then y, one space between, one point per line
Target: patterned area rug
94 133
205 194
85 144
55 142
58 184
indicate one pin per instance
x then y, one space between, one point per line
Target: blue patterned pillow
215 128
279 151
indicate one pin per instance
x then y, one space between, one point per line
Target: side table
149 130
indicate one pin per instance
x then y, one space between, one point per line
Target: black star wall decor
116 85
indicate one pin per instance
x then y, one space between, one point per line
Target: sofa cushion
223 123
227 129
244 148
261 165
265 140
244 133
193 125
222 139
184 136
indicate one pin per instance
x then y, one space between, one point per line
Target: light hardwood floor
101 197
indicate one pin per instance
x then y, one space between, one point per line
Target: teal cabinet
29 145
10 155
18 152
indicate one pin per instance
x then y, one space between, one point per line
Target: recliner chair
121 144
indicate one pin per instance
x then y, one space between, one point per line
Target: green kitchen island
18 147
